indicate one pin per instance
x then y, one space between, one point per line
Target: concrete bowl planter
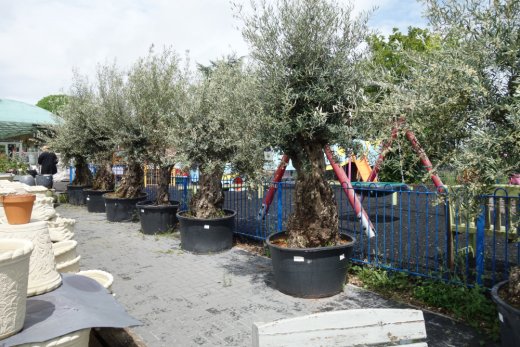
43 276
78 338
14 276
64 251
121 209
105 279
206 235
157 218
69 266
310 272
95 201
61 229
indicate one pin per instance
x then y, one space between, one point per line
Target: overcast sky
42 41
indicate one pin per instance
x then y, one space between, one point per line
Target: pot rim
22 248
17 197
311 249
106 197
100 191
146 204
78 186
499 300
232 214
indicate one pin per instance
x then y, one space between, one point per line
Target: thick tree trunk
209 199
163 191
82 176
314 222
104 179
131 185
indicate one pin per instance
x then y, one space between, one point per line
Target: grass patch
472 305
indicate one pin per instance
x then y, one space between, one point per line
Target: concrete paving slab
210 300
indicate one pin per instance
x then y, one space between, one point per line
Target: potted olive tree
308 54
71 138
217 129
129 140
158 90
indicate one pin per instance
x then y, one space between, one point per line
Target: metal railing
418 231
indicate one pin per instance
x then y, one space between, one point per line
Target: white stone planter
78 338
70 266
61 229
64 251
14 274
102 277
43 208
43 276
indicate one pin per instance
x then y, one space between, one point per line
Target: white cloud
43 40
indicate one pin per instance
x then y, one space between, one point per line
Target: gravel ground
209 300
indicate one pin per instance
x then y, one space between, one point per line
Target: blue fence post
280 207
71 174
480 245
185 192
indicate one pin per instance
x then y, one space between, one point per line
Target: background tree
486 35
157 94
308 54
52 103
219 128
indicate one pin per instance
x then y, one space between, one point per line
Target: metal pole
424 159
352 197
272 188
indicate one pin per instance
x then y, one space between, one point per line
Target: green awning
21 119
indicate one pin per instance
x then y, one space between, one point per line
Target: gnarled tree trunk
82 176
209 199
314 222
163 191
131 185
104 179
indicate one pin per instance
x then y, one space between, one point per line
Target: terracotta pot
18 208
14 276
43 276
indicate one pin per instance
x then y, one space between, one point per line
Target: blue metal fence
418 231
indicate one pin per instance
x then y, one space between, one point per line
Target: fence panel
418 230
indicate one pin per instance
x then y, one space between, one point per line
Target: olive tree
307 54
72 135
219 128
157 91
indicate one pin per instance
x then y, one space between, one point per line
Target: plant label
88 198
142 211
500 317
206 226
299 259
342 256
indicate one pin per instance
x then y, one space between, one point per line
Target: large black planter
75 194
509 318
207 235
95 201
44 180
157 218
310 272
121 209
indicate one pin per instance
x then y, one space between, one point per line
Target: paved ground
208 300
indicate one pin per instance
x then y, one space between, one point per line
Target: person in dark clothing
48 162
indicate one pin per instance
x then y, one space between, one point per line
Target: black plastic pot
76 196
207 235
94 199
509 318
157 218
26 179
310 272
121 209
44 180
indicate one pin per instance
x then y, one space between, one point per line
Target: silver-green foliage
219 124
307 53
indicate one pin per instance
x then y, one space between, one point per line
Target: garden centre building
21 126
